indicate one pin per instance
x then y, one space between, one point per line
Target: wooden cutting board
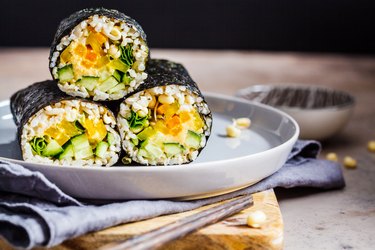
222 235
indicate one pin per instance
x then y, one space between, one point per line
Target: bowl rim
262 87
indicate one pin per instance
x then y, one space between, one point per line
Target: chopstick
157 237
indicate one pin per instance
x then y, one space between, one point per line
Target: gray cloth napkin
35 212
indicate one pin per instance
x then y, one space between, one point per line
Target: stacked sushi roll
166 121
154 111
99 53
59 129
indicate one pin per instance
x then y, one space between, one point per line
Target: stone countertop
341 219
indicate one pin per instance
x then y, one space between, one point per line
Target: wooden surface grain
339 219
231 233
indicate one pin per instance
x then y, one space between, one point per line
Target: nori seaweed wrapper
26 102
68 24
162 72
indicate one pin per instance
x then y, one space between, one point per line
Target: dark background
275 25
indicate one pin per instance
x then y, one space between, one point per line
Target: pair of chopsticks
182 227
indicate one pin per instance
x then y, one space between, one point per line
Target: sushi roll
58 129
99 54
166 121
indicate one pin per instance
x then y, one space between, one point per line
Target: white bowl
320 112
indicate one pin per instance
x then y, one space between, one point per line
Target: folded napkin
35 212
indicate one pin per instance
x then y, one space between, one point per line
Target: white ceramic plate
225 165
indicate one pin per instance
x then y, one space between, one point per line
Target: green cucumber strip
68 152
136 129
118 75
117 88
89 82
82 147
119 65
142 152
53 148
146 133
153 150
110 138
126 79
193 139
66 73
172 148
101 149
135 141
109 83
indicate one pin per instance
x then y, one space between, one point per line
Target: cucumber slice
89 82
146 133
193 139
135 141
172 148
53 148
142 152
101 149
119 65
153 151
110 138
116 88
126 79
68 152
118 75
108 84
81 146
65 73
136 129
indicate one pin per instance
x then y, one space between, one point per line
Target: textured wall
315 25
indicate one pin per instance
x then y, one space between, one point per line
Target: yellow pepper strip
62 132
80 50
66 54
96 132
94 43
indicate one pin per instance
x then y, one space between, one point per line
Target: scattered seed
233 131
332 156
256 219
242 123
350 162
371 146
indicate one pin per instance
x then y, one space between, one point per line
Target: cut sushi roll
99 53
166 121
57 129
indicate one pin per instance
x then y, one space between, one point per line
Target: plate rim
181 167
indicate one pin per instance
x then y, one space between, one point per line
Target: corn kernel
256 219
332 157
243 122
350 162
232 131
166 99
371 146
